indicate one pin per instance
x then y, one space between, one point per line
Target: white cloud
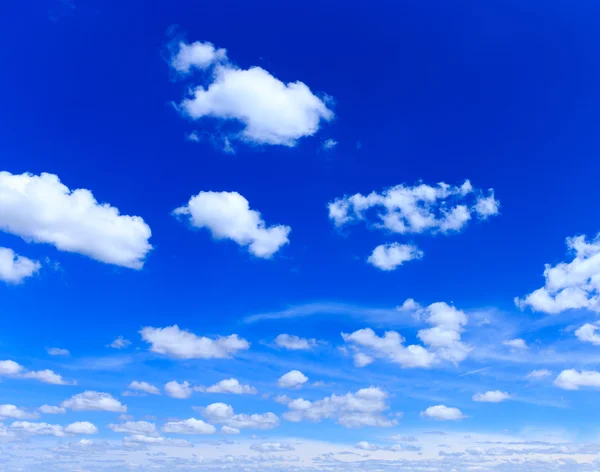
422 208
81 427
46 376
144 428
272 447
492 396
52 410
518 343
570 285
443 413
588 334
271 111
229 430
366 446
10 368
12 411
229 386
37 429
138 439
55 351
200 55
144 387
93 401
120 343
391 256
329 144
442 341
189 426
362 360
78 223
228 216
295 343
539 373
221 413
572 379
178 390
353 410
183 344
14 268
293 379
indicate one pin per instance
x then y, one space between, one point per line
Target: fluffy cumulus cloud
78 223
229 386
570 285
422 208
362 360
52 410
588 333
391 256
492 396
189 426
442 342
227 215
293 379
443 413
143 387
269 110
46 376
143 428
295 343
572 379
93 401
14 268
81 427
178 390
12 411
182 344
221 413
37 429
9 367
353 410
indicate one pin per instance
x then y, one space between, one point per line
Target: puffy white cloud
570 285
81 427
41 209
492 396
403 209
221 413
200 55
175 389
272 447
228 216
52 410
443 340
183 344
229 430
295 343
391 256
46 376
144 387
189 426
14 268
140 439
443 413
572 379
37 429
353 410
539 374
93 401
120 343
271 111
588 334
229 386
362 360
12 411
10 368
56 351
518 343
293 379
144 428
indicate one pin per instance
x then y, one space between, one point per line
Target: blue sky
290 237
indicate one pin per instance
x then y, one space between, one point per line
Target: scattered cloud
272 447
178 390
14 269
47 376
443 413
120 343
329 144
94 401
229 386
518 344
12 411
189 426
539 374
196 55
10 368
391 256
295 343
55 351
140 388
79 224
143 428
52 410
362 360
588 333
227 215
81 427
293 379
492 396
572 379
221 413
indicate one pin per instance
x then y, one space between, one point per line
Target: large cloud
572 379
569 285
228 216
271 111
41 209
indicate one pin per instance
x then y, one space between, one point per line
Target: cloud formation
14 268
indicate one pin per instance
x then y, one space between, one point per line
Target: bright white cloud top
569 285
14 268
492 396
293 379
78 223
572 379
232 386
94 401
144 387
221 413
227 215
391 256
270 111
178 390
443 413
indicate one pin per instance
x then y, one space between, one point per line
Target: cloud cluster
569 285
227 215
41 209
10 368
45 429
270 111
443 413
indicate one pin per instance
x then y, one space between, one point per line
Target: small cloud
55 351
120 343
329 144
